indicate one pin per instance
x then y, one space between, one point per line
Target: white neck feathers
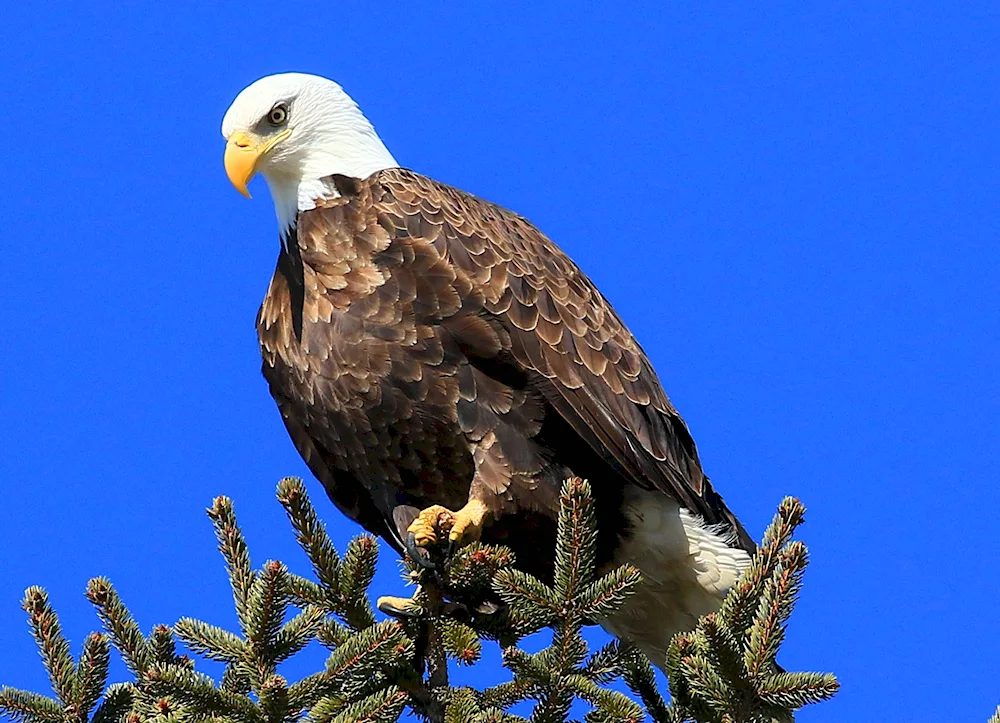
357 152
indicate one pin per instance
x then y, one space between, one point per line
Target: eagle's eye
278 115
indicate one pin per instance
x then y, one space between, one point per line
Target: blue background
796 211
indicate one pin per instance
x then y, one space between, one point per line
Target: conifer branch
562 672
461 642
531 601
638 675
233 547
140 655
576 539
605 665
356 573
78 685
382 707
309 531
52 644
198 691
795 690
118 699
211 641
274 700
20 705
121 626
235 680
472 570
610 703
163 647
463 706
267 604
92 672
737 607
723 670
780 592
607 595
297 633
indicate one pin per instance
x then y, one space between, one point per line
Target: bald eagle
442 366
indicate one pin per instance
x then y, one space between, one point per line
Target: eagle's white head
296 129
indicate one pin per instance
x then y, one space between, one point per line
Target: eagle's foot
437 523
399 607
408 608
427 529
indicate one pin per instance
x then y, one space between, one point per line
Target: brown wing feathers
561 327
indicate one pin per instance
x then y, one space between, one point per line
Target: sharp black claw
417 553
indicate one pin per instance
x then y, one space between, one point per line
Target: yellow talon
462 527
429 523
468 523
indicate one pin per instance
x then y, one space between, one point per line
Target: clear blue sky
796 211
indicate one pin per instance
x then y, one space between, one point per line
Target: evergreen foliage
723 671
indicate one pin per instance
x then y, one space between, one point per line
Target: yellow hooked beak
244 152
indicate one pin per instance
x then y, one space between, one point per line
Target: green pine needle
365 656
236 680
305 592
211 641
121 626
309 531
505 695
274 701
533 604
471 571
741 603
726 668
297 633
460 642
162 646
233 547
118 699
606 595
613 704
638 675
332 634
384 706
92 672
705 683
356 573
198 691
52 644
463 707
266 606
576 539
20 705
606 664
779 596
795 690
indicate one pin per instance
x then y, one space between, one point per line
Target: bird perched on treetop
442 367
